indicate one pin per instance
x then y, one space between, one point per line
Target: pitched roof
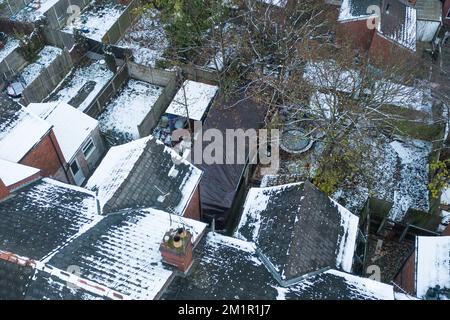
43 216
122 252
142 174
19 130
229 268
196 96
12 173
71 126
433 264
298 229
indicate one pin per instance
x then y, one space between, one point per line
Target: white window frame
83 149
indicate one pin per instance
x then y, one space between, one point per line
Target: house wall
89 165
47 156
358 32
405 279
4 192
193 209
383 49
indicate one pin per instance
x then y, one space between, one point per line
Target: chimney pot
177 249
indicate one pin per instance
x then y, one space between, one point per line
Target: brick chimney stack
177 249
4 191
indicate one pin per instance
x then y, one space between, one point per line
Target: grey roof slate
43 216
296 227
226 269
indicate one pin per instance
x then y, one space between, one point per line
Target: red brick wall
46 155
193 209
4 192
358 32
406 278
446 8
446 232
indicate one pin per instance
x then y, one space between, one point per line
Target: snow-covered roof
20 130
12 173
287 224
142 174
327 74
122 252
71 126
432 263
193 96
44 216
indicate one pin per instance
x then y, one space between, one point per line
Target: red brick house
379 26
29 140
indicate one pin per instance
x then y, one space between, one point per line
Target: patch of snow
433 263
146 39
327 74
45 57
323 104
11 45
70 86
97 21
129 108
347 243
12 173
369 287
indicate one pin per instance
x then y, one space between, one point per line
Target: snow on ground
9 47
128 109
404 96
12 173
399 174
45 57
96 21
433 263
34 10
96 71
146 39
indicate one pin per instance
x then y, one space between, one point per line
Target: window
88 148
74 167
